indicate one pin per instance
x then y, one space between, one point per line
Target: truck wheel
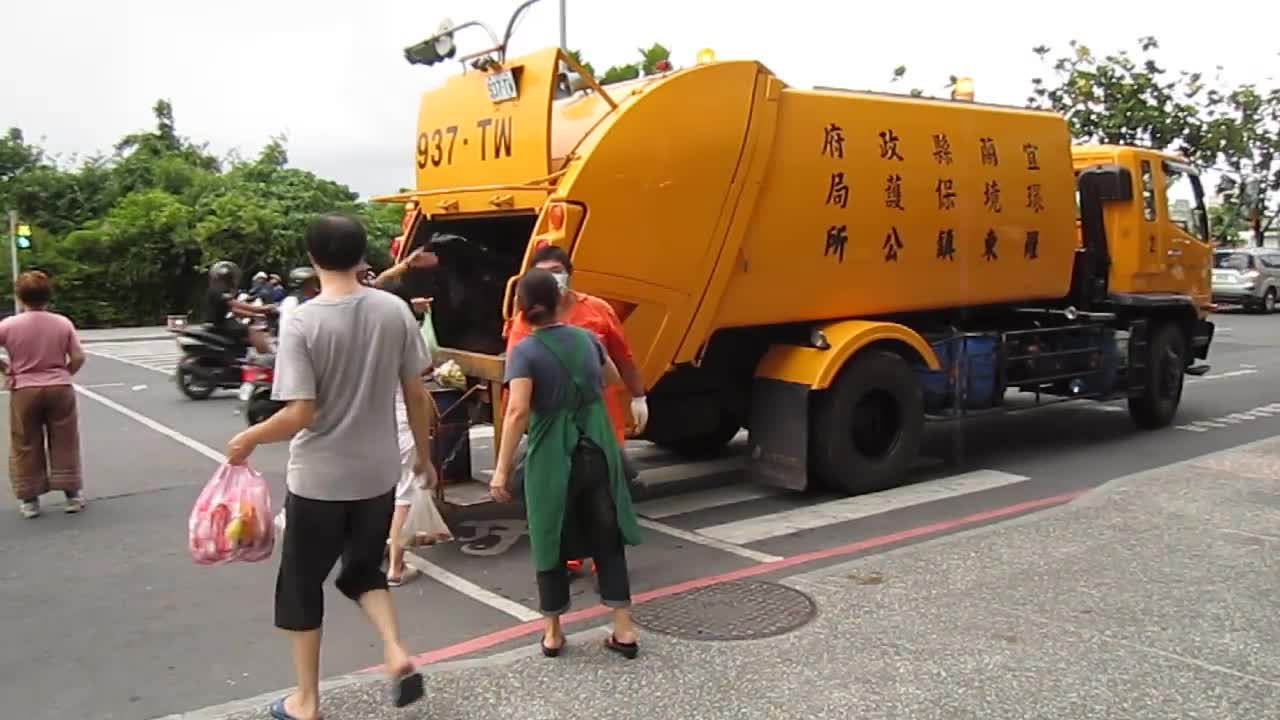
707 444
1161 379
867 428
1269 302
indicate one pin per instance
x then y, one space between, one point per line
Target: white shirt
288 305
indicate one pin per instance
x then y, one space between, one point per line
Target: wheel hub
877 424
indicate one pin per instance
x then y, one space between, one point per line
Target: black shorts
316 534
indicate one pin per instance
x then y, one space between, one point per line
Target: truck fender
817 367
784 383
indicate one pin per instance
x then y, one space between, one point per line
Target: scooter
256 378
210 361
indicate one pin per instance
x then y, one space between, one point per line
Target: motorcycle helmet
225 272
300 276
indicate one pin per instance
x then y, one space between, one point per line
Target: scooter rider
223 310
304 285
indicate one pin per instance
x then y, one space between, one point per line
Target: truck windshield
1232 261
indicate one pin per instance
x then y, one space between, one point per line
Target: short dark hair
336 242
35 289
553 253
538 295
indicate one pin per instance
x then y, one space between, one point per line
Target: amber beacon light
963 89
706 56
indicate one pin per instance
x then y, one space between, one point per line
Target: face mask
562 280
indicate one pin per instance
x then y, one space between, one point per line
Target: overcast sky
330 74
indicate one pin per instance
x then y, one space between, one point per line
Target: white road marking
763 527
1235 418
714 543
165 430
702 500
160 356
684 471
1221 376
470 589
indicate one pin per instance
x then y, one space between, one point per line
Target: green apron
552 439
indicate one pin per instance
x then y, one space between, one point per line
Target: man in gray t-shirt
342 357
349 452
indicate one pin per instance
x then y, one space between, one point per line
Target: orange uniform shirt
592 313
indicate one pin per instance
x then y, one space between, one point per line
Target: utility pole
564 41
13 256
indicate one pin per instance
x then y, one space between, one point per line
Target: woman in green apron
576 494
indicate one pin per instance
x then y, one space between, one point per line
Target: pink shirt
38 342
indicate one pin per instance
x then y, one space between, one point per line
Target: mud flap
779 434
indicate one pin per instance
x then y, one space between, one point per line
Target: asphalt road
107 617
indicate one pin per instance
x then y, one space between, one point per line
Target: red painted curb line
498 637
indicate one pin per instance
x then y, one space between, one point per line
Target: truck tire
705 445
1268 305
1161 378
867 428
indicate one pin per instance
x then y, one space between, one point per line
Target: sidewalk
1151 597
127 334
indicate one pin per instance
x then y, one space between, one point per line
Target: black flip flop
407 689
552 651
626 650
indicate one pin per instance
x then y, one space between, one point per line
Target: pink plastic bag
231 520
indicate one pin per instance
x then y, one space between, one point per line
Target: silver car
1248 277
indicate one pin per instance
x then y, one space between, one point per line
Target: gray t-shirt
531 359
349 355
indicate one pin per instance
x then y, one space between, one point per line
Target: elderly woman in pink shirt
44 433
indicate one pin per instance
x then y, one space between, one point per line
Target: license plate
246 392
502 86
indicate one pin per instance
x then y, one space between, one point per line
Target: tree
1244 124
1131 99
654 60
129 236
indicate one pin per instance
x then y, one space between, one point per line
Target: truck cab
1158 240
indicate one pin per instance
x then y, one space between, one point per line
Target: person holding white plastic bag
413 496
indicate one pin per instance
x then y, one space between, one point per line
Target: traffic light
23 238
434 49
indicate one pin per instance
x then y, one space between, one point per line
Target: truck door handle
1174 252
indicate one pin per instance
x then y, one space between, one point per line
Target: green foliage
128 237
1129 97
654 60
1133 99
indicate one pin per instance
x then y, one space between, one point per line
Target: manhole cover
728 611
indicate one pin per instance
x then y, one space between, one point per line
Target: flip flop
551 652
279 713
408 574
407 688
626 650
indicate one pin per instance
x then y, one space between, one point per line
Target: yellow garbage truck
828 269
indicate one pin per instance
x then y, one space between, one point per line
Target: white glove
639 413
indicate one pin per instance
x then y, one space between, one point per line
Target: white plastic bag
424 525
429 333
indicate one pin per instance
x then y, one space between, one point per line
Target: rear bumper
1235 295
